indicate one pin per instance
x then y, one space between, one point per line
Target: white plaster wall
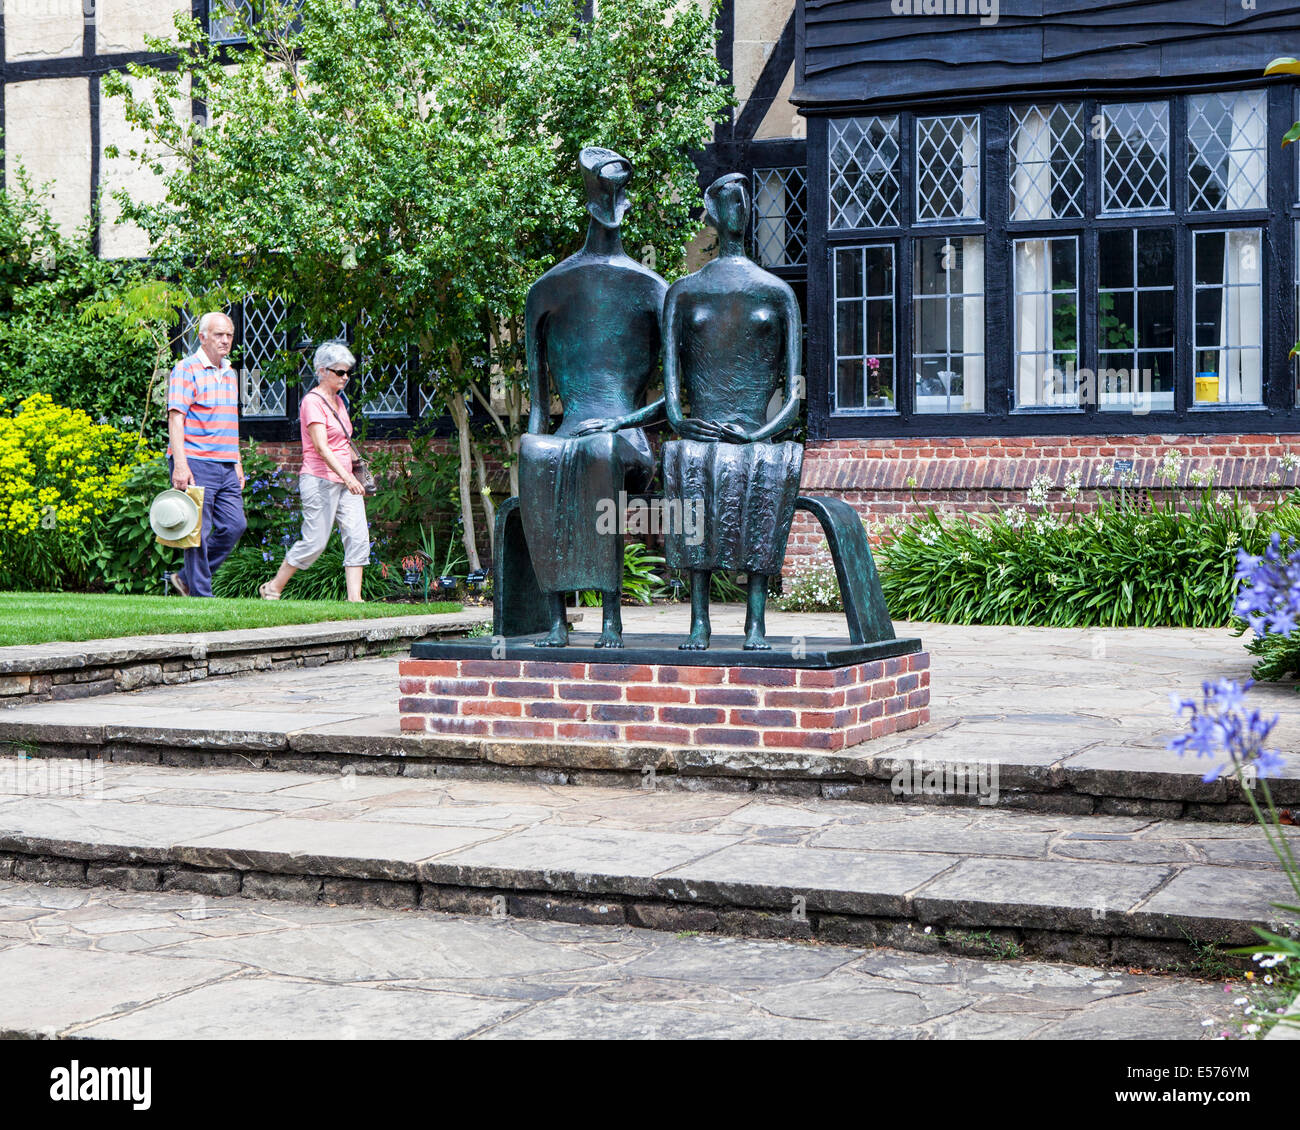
43 29
782 119
759 24
122 240
47 130
121 25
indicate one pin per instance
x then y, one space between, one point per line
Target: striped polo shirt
209 397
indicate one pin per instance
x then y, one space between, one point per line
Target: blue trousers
223 523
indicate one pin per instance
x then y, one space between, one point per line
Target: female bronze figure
731 340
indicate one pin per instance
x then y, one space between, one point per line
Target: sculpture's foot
756 641
698 640
610 637
556 637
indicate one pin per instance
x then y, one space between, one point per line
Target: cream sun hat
173 515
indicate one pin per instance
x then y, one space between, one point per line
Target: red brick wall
955 474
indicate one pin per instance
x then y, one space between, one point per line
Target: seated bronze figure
731 339
592 336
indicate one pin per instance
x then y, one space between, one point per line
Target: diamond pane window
1047 322
948 168
780 217
1135 320
383 377
1046 161
221 24
1135 157
1297 306
864 329
263 344
864 173
1227 149
1228 282
948 324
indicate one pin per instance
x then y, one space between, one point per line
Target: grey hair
206 320
330 354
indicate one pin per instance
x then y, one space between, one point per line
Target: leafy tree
410 167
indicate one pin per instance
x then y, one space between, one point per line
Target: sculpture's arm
670 333
793 379
539 391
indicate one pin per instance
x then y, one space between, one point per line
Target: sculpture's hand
591 427
704 431
732 433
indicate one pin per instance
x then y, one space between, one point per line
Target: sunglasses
344 373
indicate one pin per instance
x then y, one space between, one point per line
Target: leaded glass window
220 22
1135 320
263 346
780 217
1228 282
1228 151
1135 157
1046 322
384 372
864 328
864 173
948 168
1047 161
948 322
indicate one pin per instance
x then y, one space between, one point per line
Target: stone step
933 765
1091 889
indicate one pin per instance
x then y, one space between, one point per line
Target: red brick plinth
787 708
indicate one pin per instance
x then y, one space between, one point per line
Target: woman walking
325 481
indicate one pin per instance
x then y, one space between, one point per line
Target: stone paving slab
114 965
1075 720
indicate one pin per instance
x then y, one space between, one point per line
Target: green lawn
40 617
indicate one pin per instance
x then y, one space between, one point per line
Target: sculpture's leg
756 614
611 605
558 636
698 640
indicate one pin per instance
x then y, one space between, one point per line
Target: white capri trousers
323 501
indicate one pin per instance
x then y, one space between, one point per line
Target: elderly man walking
203 427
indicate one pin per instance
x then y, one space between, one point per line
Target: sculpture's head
726 204
605 174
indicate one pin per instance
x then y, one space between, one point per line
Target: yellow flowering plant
60 473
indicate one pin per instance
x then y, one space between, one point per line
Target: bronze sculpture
592 334
731 339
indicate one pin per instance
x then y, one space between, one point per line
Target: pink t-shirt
316 410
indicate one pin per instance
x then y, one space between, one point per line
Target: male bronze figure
731 340
592 336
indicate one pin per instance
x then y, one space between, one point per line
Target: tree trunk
489 511
459 412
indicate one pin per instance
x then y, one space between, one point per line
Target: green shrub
46 280
128 557
249 567
1133 562
61 477
640 581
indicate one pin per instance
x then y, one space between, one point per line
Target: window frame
1280 222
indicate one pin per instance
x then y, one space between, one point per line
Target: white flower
1223 498
929 535
1290 461
910 481
965 555
1015 517
1170 466
1038 490
1073 481
1203 478
1232 538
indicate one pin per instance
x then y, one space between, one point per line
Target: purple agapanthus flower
1221 724
1268 592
